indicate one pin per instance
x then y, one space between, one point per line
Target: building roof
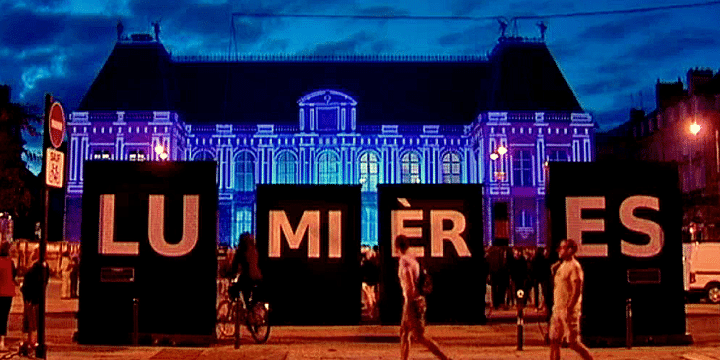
518 76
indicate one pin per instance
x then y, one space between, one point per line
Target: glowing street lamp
161 152
500 151
695 128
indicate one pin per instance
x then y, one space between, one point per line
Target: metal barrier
628 324
520 319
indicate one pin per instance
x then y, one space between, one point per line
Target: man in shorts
414 307
568 279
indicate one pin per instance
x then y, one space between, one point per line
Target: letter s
644 226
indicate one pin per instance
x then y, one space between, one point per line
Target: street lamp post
495 155
161 152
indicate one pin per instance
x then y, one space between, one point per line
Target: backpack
424 282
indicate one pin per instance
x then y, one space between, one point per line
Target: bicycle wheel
258 322
225 321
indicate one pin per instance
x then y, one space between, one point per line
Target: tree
18 186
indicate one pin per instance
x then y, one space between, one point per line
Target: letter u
156 226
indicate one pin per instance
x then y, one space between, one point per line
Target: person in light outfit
567 302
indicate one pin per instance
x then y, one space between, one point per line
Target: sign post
53 168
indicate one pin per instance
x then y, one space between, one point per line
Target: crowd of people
508 269
516 268
370 274
34 278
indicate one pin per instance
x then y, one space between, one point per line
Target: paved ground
497 340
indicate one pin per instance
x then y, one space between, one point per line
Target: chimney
4 94
696 78
668 93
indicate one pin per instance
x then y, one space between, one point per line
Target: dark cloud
611 119
21 28
351 45
607 84
65 71
465 7
89 30
51 3
383 46
157 9
205 19
469 36
51 52
617 66
275 46
622 27
621 101
359 43
382 11
675 44
248 30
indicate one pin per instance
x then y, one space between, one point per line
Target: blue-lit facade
328 142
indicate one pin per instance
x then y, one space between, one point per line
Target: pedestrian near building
8 271
541 276
65 269
370 271
74 276
567 303
414 306
518 272
36 277
499 275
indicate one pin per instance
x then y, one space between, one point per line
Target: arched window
328 168
286 168
451 168
369 170
243 222
369 224
204 156
410 168
245 172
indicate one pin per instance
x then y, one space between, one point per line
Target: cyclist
245 267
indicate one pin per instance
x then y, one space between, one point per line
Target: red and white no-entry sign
57 125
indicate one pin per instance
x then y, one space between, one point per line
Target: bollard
237 321
628 323
520 321
136 326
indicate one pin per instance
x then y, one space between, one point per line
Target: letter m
279 225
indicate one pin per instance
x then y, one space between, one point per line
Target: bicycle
22 350
255 317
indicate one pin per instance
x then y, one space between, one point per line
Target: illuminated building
346 119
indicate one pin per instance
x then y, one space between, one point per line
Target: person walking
568 279
74 276
414 306
8 272
65 270
36 277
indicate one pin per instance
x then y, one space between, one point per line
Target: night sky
611 61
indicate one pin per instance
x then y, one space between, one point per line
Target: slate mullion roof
518 76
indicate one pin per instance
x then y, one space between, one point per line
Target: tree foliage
16 181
